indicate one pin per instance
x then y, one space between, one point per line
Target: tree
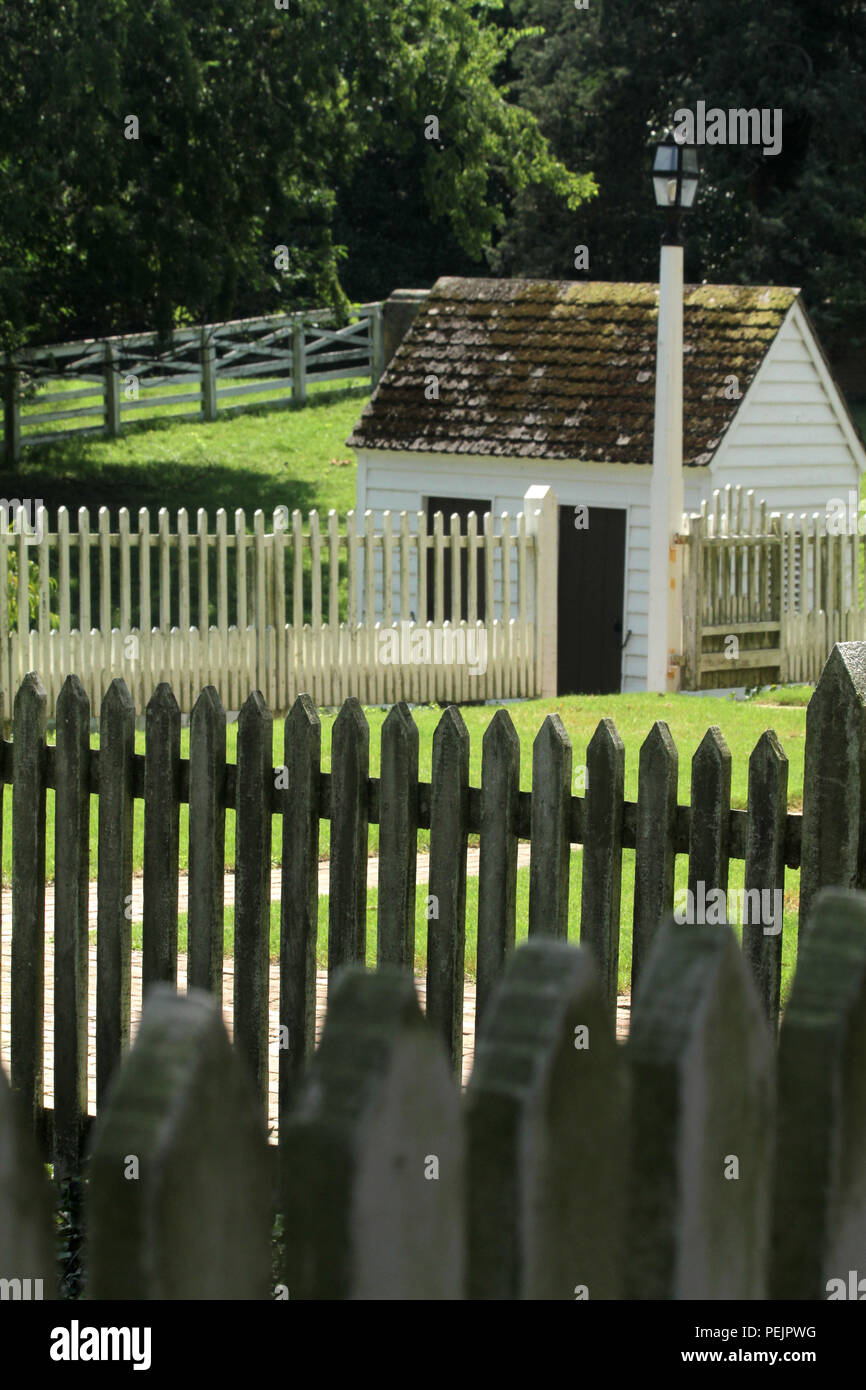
155 157
604 85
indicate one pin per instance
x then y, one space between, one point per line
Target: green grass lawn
789 933
263 458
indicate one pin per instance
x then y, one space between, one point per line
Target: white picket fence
788 587
236 366
335 609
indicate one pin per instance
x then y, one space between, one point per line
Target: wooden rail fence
698 1162
220 366
823 842
333 609
766 595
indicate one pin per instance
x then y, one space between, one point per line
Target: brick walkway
228 980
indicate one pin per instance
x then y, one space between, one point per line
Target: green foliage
305 128
249 121
605 83
70 1238
32 590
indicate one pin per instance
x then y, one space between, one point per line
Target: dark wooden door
462 506
590 607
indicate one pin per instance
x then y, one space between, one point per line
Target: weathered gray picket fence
223 366
824 842
697 1162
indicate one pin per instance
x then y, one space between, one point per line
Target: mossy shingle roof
565 369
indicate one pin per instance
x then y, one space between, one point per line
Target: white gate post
542 521
665 620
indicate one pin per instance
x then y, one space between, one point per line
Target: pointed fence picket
700 1161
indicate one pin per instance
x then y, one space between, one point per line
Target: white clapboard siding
791 439
397 479
260 608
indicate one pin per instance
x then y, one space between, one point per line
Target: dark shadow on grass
71 473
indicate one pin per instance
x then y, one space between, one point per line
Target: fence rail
697 1162
224 365
766 595
334 609
822 842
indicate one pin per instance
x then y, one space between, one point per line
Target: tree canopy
605 82
247 118
308 125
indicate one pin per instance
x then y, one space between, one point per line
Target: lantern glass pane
666 160
665 191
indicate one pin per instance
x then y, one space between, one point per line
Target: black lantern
675 183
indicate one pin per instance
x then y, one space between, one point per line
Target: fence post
347 899
551 830
446 928
377 344
372 1155
161 836
207 842
765 867
710 815
253 787
11 415
655 837
546 1135
542 522
834 782
299 894
192 1218
208 375
26 1216
693 596
72 864
820 1207
497 869
28 894
299 365
114 888
776 585
398 838
701 1062
111 391
602 854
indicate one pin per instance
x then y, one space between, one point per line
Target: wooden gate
732 613
766 595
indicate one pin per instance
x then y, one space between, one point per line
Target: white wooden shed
500 384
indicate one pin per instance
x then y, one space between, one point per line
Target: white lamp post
675 181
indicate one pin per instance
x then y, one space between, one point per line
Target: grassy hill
267 458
